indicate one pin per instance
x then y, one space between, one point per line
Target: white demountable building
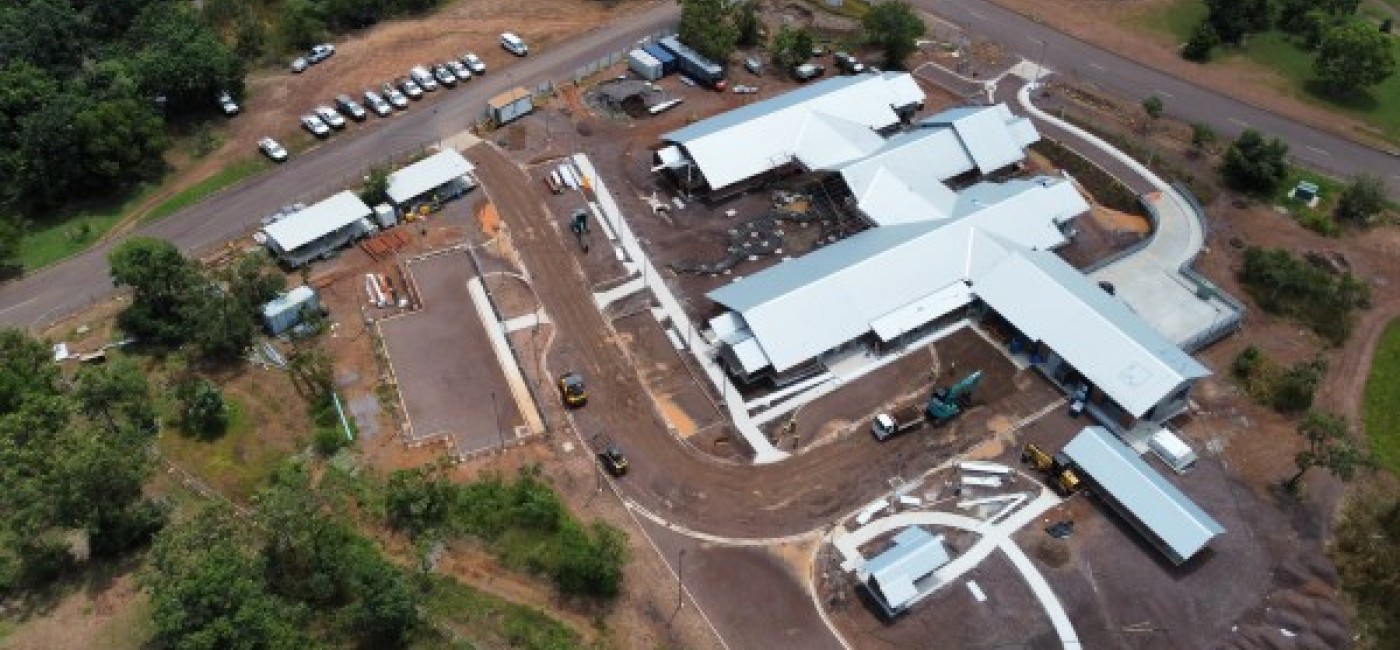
319 230
285 311
441 176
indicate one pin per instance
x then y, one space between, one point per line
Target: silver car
423 78
377 104
314 124
474 63
299 64
444 76
329 116
272 149
463 74
395 96
410 88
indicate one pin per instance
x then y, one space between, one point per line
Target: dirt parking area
448 375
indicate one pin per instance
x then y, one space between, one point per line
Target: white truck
903 420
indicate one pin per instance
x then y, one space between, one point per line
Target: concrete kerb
704 353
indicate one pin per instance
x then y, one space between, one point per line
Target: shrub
1285 285
1286 390
1203 41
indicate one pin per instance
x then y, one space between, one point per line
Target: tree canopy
1362 199
1330 446
707 28
895 28
790 46
1254 164
1352 57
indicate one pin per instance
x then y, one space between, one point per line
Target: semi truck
904 420
691 64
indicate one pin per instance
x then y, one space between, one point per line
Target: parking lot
448 375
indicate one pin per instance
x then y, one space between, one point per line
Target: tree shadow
1356 99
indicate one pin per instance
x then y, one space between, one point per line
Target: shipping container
691 64
510 105
385 215
645 65
666 59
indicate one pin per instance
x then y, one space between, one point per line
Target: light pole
1040 61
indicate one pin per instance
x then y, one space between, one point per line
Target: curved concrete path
1150 280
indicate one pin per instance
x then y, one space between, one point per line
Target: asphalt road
1183 99
67 287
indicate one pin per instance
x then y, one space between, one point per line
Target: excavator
950 402
1062 476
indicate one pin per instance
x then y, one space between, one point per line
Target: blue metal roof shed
1156 508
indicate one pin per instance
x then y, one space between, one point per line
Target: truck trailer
691 64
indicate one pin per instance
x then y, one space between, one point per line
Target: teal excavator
950 402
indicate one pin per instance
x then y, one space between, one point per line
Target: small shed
285 311
443 175
510 105
896 576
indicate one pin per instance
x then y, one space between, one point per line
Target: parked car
330 117
514 44
376 103
848 63
227 104
395 96
613 460
314 124
753 65
299 64
423 78
410 88
444 76
807 72
474 63
272 149
350 108
463 74
320 53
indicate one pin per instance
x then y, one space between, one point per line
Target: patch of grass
1381 405
1317 219
235 463
54 238
482 620
1176 19
227 176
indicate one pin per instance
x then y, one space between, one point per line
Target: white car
329 116
514 44
474 63
395 96
461 71
410 88
272 149
299 64
444 76
423 78
376 103
320 53
226 103
314 124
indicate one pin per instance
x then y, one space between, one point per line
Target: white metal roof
1157 504
915 554
293 299
993 136
748 141
1050 301
805 306
923 310
425 175
305 226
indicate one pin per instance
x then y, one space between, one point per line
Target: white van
514 44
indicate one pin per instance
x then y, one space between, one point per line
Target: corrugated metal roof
834 294
1158 505
319 220
915 554
293 299
420 177
748 141
1050 301
923 310
994 137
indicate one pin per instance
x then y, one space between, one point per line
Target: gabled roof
1050 301
839 292
423 176
748 141
321 219
915 554
1181 526
994 138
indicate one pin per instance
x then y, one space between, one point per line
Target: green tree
162 283
1253 164
376 187
1362 199
11 234
1329 446
706 27
301 25
748 25
1367 550
121 142
1233 19
203 410
1204 40
895 28
790 47
1202 138
207 590
178 56
46 33
116 395
1353 56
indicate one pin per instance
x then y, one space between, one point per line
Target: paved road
1183 99
76 283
